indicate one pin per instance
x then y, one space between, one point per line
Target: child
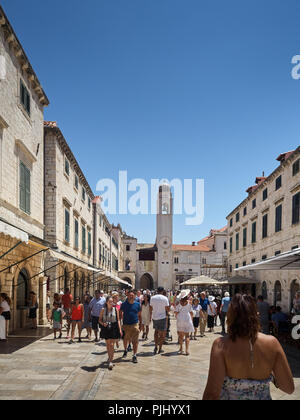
57 317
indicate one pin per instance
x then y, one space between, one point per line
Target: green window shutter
83 239
76 234
27 189
89 243
24 188
67 225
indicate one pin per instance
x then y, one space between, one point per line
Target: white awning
13 232
200 280
60 256
287 261
112 276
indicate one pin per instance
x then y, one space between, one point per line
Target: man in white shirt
159 308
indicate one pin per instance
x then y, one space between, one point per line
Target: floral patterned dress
246 389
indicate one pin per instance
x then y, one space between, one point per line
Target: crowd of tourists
243 362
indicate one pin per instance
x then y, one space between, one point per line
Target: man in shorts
159 309
131 315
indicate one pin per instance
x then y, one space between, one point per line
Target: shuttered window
244 237
89 243
67 225
76 232
237 240
265 226
24 188
278 218
83 239
24 97
295 208
253 238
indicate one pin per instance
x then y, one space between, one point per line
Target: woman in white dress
145 316
184 317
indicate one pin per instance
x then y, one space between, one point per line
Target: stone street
56 370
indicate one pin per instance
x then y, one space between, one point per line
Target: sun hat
211 298
184 294
226 294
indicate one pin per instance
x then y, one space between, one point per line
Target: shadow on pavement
22 338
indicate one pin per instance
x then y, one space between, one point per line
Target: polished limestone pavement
44 368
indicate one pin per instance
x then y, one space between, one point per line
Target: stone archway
22 287
277 292
295 287
146 282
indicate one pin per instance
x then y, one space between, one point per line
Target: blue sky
169 89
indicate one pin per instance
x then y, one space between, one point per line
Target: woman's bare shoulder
268 340
220 344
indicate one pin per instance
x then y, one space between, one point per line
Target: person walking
211 313
224 309
117 302
5 303
263 311
77 316
57 318
159 308
131 316
243 363
48 306
95 308
111 329
197 313
57 299
33 306
146 316
66 300
87 324
203 320
219 303
184 318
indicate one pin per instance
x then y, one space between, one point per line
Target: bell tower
164 236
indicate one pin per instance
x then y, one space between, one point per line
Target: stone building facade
22 102
69 219
266 224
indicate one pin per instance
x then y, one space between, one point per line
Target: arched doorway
264 290
82 284
146 282
66 279
277 292
22 289
75 285
295 287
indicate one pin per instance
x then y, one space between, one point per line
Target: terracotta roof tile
51 124
283 156
198 248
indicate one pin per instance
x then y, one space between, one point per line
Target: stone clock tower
164 237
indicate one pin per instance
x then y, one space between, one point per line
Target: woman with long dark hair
243 364
111 328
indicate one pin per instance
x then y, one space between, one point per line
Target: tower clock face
165 242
